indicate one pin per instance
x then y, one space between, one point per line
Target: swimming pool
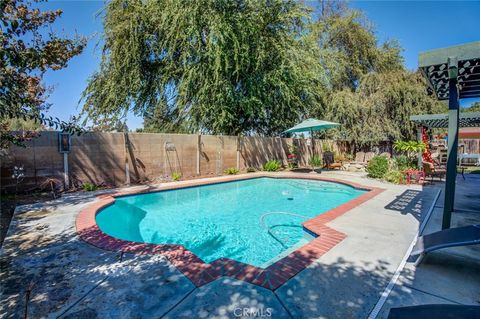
254 221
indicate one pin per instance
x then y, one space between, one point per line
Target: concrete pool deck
201 273
48 271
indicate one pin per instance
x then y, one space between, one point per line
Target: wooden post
65 171
199 152
127 167
420 155
64 147
239 145
453 121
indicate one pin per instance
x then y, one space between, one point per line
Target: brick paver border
201 273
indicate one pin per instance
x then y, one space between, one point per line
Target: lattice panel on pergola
441 120
434 66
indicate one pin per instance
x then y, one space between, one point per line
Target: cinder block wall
40 159
102 158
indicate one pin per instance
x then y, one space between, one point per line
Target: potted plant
292 156
292 160
316 163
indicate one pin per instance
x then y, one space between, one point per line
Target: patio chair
438 167
369 156
359 158
359 162
431 171
438 311
329 161
453 237
386 154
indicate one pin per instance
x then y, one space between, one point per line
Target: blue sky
417 25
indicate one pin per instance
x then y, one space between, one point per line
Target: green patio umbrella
310 125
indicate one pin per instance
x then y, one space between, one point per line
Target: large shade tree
214 66
475 107
369 91
27 50
380 108
349 47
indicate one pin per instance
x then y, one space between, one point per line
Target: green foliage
176 176
272 166
26 54
380 108
368 86
251 169
394 176
327 147
292 149
19 124
217 66
377 167
231 171
89 187
402 162
316 161
349 48
409 146
390 170
475 107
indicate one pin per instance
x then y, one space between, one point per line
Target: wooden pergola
471 119
452 73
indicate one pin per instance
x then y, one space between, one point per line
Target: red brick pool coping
201 273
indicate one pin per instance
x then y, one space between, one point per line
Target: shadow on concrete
409 202
302 170
48 271
341 289
448 275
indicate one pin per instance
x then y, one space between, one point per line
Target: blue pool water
237 220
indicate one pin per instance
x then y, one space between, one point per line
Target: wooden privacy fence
118 158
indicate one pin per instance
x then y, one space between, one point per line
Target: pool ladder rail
269 230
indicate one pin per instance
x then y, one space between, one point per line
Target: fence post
127 167
65 171
64 145
199 151
239 145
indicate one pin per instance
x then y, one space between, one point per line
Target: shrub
251 170
89 187
231 171
377 167
394 176
272 166
316 161
340 157
176 176
403 162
